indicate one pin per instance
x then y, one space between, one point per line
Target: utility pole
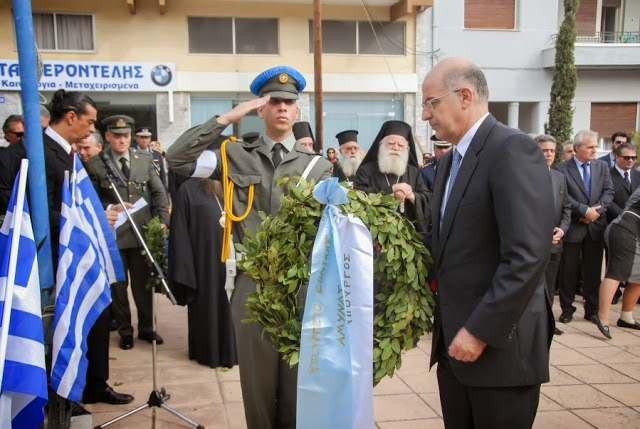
317 71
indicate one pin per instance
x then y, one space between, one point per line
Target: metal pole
38 201
317 71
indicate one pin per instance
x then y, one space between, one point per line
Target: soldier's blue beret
279 82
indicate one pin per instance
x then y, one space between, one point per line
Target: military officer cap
279 82
144 131
439 143
347 136
118 124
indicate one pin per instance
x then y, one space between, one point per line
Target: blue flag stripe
22 325
32 415
25 378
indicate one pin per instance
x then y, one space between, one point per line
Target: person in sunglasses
624 177
13 129
616 140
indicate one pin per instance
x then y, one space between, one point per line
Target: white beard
349 164
389 164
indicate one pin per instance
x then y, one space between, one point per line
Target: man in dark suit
490 244
142 182
561 214
591 192
624 177
617 139
143 141
429 171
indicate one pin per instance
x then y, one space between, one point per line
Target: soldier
143 141
142 182
268 383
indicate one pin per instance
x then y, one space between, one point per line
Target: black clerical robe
197 276
370 179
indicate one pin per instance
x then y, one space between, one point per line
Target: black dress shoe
621 323
150 337
78 410
126 342
589 316
108 396
604 329
558 332
565 317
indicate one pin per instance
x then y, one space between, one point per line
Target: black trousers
135 265
466 407
98 354
590 266
551 274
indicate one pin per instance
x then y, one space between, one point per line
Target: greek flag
22 367
88 263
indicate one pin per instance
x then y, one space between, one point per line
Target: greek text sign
91 76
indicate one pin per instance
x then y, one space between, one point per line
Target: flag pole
317 72
33 141
16 220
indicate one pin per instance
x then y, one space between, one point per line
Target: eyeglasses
619 141
428 103
628 158
20 134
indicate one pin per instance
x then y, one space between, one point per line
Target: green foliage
635 139
565 79
156 240
277 257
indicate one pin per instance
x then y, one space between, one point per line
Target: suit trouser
135 265
551 274
590 266
465 407
98 354
269 385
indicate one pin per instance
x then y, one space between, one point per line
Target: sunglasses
628 158
16 134
619 141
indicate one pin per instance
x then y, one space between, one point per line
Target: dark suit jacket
562 206
621 192
490 257
609 159
10 159
601 194
429 174
56 161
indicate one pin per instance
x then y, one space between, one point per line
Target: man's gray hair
545 138
565 144
623 146
582 135
97 139
469 75
44 112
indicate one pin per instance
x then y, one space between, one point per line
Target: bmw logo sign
161 75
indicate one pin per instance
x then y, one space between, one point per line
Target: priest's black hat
347 136
302 129
399 128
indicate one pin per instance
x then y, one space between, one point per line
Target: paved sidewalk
594 382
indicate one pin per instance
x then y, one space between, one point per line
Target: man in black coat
624 178
429 171
617 139
490 243
591 192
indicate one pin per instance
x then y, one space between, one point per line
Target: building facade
174 64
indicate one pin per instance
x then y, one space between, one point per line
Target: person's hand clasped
403 191
465 347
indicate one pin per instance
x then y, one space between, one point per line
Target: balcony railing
606 37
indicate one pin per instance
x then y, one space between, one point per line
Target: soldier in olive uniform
142 182
268 383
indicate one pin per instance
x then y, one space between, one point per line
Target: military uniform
142 182
268 383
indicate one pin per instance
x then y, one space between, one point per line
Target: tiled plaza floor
594 382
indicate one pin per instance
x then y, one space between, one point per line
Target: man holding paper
143 187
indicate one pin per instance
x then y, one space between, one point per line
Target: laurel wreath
277 256
156 240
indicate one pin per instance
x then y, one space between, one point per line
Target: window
607 118
358 37
63 32
490 14
251 36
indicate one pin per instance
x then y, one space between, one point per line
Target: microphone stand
157 397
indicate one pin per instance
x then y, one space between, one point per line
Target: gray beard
350 164
392 164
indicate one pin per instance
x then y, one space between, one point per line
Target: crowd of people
507 226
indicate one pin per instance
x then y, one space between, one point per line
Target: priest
391 166
350 157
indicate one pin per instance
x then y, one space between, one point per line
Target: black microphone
112 170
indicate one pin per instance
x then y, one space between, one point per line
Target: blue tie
586 177
455 166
